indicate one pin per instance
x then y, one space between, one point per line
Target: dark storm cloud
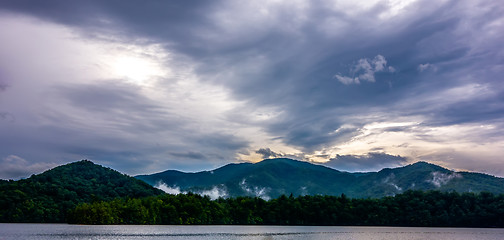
191 155
267 153
316 104
112 124
135 115
107 96
172 22
443 66
121 104
310 92
369 162
5 116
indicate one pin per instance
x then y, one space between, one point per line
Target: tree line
412 208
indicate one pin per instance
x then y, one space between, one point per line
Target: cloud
191 155
102 115
389 180
214 193
365 69
347 80
426 67
369 162
439 179
261 192
165 188
5 116
15 167
143 87
267 153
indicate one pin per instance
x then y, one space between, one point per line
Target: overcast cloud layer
145 86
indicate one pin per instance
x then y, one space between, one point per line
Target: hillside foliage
86 193
48 197
272 178
412 208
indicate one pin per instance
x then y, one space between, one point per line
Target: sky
146 86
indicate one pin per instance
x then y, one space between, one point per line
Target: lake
115 232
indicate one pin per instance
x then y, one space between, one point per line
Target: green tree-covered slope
273 177
411 208
47 197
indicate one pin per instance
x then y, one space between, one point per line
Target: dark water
78 232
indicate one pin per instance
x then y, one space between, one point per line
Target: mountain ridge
46 197
273 177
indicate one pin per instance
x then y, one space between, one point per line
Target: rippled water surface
63 231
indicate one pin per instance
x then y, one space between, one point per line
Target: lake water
77 232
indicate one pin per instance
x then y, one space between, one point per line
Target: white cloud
365 70
170 190
214 193
427 67
63 59
379 63
347 80
439 179
15 167
260 192
396 7
389 180
460 146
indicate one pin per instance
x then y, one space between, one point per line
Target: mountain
48 196
271 178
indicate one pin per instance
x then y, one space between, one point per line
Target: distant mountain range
73 190
271 178
48 197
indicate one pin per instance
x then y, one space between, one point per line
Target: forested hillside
412 208
272 178
47 197
86 193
